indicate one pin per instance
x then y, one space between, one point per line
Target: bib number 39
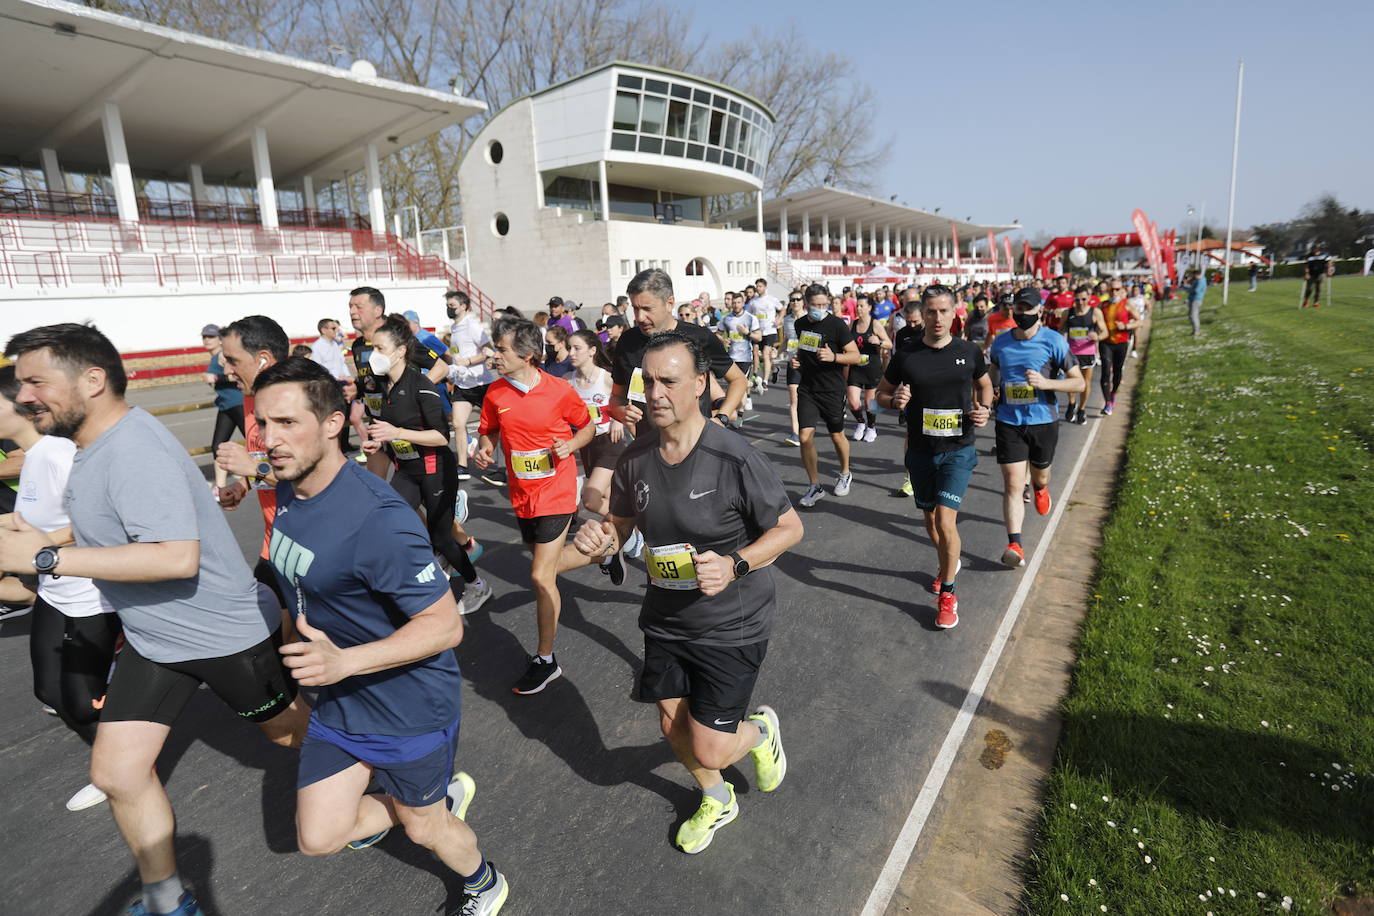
673 566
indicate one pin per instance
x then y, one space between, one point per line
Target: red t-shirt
528 423
257 450
998 323
1055 306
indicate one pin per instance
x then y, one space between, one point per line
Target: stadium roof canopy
837 204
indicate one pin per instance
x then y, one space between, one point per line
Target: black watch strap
741 565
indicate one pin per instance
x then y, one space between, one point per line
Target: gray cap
210 330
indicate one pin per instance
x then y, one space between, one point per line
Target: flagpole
1231 207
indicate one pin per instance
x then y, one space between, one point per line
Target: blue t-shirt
228 394
1199 290
1047 353
361 588
883 309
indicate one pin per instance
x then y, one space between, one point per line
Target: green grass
1221 717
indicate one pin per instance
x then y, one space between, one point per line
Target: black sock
858 413
872 418
1014 538
946 587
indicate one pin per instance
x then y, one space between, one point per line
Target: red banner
1011 262
1029 255
992 250
954 231
1149 240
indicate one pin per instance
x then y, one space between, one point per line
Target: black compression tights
1113 359
71 659
437 492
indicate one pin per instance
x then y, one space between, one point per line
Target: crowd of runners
613 440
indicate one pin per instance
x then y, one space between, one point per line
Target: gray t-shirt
137 484
722 496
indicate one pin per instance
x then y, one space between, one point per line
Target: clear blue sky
1060 86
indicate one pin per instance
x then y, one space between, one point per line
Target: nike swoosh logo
695 495
718 722
502 409
431 792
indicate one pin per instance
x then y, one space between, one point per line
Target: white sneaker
748 403
475 595
1135 355
870 434
859 432
88 797
635 545
842 482
460 507
813 495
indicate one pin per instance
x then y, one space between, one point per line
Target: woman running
1120 320
414 432
75 631
864 377
1084 327
591 379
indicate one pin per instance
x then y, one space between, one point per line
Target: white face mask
379 363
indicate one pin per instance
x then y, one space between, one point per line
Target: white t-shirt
42 502
596 396
466 339
737 329
765 308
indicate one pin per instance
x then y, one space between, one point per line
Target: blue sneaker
187 906
474 550
366 842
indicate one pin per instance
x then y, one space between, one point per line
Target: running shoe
1081 417
813 495
460 507
1013 556
1042 500
770 760
1135 355
1107 408
936 583
773 376
495 476
474 550
905 488
748 403
464 473
47 709
11 613
614 566
487 903
360 458
1025 494
791 439
859 432
186 906
635 545
947 617
461 789
88 797
370 841
697 831
537 676
475 595
871 434
842 483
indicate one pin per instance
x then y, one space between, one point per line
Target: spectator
327 350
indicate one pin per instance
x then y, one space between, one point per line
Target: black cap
613 321
555 300
1027 295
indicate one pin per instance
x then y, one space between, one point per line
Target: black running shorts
716 680
815 407
1034 443
544 528
601 452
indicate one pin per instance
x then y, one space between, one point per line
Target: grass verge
1218 745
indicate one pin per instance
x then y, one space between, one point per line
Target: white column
806 230
121 175
262 170
606 193
348 194
906 245
887 241
873 240
844 237
782 233
758 210
199 193
825 231
376 212
52 171
858 237
308 189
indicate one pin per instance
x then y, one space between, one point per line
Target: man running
942 382
166 561
1315 270
766 309
540 422
825 347
1058 303
741 330
1028 411
714 514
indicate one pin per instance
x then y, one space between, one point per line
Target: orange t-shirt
1116 314
528 422
257 450
997 323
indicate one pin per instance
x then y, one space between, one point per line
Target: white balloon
1078 256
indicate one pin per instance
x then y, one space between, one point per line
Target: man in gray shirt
150 536
712 510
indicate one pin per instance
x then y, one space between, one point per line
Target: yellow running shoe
770 762
906 487
697 831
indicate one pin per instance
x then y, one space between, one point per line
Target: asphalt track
578 796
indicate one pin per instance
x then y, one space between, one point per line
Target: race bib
403 450
1079 333
534 465
594 412
636 392
942 423
863 359
736 335
810 341
261 471
373 403
1020 394
792 344
672 566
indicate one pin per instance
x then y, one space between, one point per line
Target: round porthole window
500 225
495 152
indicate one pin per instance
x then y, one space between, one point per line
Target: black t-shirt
941 392
811 336
371 388
721 497
413 403
1316 267
629 356
908 337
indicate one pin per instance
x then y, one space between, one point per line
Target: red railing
26 202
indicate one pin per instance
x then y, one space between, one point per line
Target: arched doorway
702 276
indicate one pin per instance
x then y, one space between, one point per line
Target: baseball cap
555 300
1028 296
411 316
210 330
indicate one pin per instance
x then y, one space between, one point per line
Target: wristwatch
724 418
45 561
741 565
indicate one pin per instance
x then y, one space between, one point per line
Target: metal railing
27 202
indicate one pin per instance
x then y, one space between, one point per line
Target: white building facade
573 190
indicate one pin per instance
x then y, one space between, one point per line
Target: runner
766 309
862 383
1028 411
1083 328
469 349
715 516
413 431
228 397
1001 320
379 624
533 415
74 631
1119 320
795 309
1057 306
976 327
741 332
165 560
824 348
943 383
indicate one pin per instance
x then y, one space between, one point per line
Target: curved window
500 224
495 152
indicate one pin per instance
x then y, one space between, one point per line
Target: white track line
905 844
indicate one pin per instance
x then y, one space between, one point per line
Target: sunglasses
794 300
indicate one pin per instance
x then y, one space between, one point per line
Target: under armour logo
425 575
960 362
